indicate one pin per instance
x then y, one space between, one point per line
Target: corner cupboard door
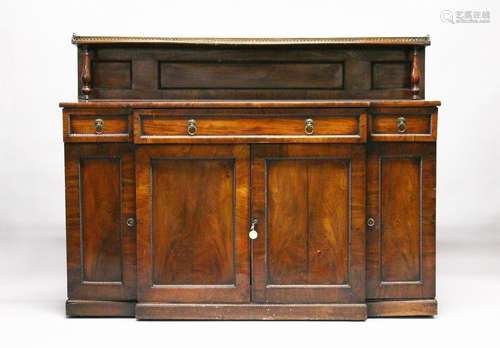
401 180
309 203
100 208
192 206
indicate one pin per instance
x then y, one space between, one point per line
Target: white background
38 70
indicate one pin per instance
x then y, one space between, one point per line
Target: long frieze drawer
96 125
342 125
403 124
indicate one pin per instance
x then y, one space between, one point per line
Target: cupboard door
192 205
401 181
309 203
100 198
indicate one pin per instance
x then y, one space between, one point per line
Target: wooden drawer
339 125
403 124
96 125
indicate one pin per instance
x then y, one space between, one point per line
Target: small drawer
403 124
96 126
250 125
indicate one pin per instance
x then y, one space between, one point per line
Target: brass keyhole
253 232
130 222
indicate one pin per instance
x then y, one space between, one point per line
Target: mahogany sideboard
250 179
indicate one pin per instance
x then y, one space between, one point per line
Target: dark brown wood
236 104
309 201
258 179
79 126
419 124
338 125
390 75
86 77
388 123
188 251
415 75
100 198
86 308
402 308
109 74
166 68
292 75
162 311
401 184
192 208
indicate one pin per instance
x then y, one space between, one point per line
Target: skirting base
402 308
197 311
161 311
81 308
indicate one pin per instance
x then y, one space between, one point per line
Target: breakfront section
401 186
400 208
260 179
100 220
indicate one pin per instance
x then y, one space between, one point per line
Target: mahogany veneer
262 179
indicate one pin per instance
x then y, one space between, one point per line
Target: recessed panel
100 189
193 221
308 222
167 125
391 75
112 74
86 124
388 124
400 202
251 75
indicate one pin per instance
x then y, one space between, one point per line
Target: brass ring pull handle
99 125
401 124
191 127
253 232
309 126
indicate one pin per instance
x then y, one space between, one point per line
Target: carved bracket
86 74
415 75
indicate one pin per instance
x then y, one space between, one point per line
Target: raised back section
172 68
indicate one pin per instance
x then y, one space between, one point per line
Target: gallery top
106 40
162 68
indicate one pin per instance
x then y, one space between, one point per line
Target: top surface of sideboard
286 69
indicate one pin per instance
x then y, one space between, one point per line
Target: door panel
309 242
401 200
100 198
309 202
101 252
193 218
192 221
400 240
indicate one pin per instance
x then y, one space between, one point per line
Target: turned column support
86 77
415 75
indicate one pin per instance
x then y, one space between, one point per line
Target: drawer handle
309 126
191 127
401 124
99 125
